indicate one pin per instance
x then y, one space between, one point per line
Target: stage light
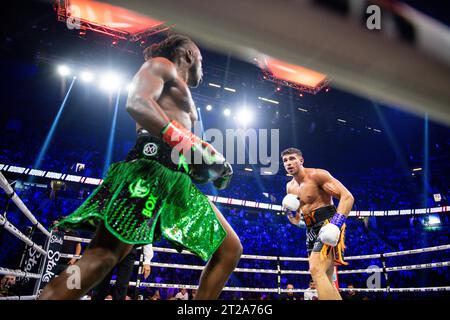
87 76
64 70
245 117
268 100
130 86
227 112
230 89
209 107
110 81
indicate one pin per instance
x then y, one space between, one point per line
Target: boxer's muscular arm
336 189
147 87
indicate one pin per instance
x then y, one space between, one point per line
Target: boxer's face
292 163
196 70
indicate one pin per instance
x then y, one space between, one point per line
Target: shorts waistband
319 215
150 147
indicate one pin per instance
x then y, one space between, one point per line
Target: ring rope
420 266
14 231
19 298
15 198
270 271
275 290
259 257
19 273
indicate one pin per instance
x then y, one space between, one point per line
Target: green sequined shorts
141 200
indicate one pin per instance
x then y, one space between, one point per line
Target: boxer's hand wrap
301 223
329 234
224 180
212 163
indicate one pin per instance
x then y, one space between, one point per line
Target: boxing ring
50 256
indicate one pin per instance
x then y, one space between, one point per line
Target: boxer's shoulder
161 67
317 174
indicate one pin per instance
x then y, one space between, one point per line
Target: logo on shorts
149 206
150 149
139 189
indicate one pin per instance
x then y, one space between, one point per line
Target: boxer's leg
104 252
330 273
221 264
319 268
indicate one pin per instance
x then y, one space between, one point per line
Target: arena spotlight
130 86
227 112
208 107
244 117
86 76
110 81
64 70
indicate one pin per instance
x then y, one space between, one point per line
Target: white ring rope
14 231
420 266
419 289
228 201
294 272
189 286
19 273
15 198
270 271
421 250
258 257
77 239
276 290
19 298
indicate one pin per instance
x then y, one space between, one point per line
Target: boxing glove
330 233
204 162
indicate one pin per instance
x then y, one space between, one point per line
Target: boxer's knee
237 249
233 249
230 250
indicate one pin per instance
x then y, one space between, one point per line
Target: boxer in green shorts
153 191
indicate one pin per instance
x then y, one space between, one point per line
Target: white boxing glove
329 234
291 202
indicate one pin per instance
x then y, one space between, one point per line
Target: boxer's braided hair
166 48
